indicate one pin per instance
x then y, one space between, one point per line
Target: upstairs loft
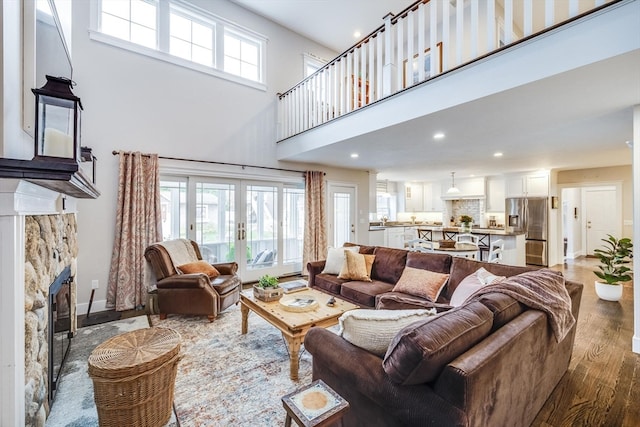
536 46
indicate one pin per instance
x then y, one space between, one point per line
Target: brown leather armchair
192 293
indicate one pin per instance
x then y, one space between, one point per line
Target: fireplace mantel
64 176
18 199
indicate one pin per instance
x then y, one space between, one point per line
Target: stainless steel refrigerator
529 215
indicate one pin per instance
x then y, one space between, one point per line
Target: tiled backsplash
472 207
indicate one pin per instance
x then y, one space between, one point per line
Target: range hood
462 196
62 176
469 189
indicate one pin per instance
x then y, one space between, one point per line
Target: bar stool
425 234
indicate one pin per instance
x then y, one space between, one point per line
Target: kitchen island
394 235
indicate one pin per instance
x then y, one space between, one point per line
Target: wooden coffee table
293 325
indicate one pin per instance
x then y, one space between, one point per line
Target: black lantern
57 130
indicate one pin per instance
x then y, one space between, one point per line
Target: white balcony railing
389 59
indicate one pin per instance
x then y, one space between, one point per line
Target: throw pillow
421 283
373 330
199 267
471 284
335 259
356 267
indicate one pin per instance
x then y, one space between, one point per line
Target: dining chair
469 238
420 245
495 251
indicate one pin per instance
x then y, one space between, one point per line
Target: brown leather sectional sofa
490 362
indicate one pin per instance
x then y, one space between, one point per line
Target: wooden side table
314 405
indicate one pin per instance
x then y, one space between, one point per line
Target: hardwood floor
602 385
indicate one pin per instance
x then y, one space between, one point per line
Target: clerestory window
176 31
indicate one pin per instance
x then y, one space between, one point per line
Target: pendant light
453 189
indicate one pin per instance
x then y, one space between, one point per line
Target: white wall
134 102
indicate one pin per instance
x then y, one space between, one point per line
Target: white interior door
342 214
601 216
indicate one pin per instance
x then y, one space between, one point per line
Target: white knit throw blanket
180 251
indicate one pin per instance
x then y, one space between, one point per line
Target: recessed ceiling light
356 34
438 135
497 154
354 155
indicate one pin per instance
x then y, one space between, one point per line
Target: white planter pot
608 292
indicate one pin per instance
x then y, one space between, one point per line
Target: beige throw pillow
421 283
373 330
356 267
335 259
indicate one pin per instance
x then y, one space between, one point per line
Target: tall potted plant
613 270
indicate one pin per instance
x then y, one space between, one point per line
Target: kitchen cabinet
495 194
376 237
432 200
394 237
413 197
537 185
527 185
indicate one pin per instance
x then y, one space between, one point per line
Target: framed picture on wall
411 76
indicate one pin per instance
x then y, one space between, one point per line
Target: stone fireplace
51 251
38 240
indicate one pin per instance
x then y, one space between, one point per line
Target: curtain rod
115 153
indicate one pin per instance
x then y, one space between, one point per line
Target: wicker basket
446 244
267 294
133 377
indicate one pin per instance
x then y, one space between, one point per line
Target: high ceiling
311 18
577 119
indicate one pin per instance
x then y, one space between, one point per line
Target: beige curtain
315 234
138 224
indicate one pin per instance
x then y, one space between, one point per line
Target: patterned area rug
226 378
74 405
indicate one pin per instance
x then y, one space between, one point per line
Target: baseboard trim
96 306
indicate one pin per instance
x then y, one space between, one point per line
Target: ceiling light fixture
497 154
357 34
438 135
354 155
453 189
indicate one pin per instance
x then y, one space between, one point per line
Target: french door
257 224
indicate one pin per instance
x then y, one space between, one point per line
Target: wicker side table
314 405
133 377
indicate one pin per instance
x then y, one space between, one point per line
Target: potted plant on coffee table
613 270
267 289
